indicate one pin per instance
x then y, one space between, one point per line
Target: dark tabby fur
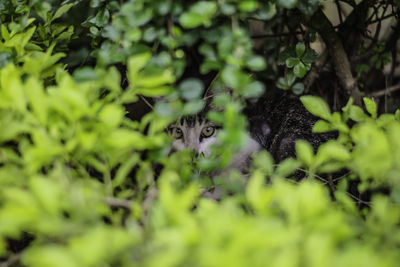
277 121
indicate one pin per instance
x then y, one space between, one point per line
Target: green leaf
370 105
154 80
264 162
126 139
37 98
102 18
85 74
234 78
357 114
193 107
287 3
227 9
332 150
287 167
63 9
397 114
5 58
282 83
206 8
253 89
49 255
191 88
291 62
191 20
27 36
256 63
255 191
248 6
199 14
298 88
154 90
96 3
322 126
300 49
136 63
300 70
124 170
308 7
304 152
316 106
290 78
112 115
267 11
4 32
310 56
48 194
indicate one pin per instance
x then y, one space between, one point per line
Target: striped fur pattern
188 133
198 134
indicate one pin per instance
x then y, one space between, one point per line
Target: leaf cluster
81 184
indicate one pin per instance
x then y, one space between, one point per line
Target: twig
206 96
382 18
276 35
14 258
385 91
146 102
316 70
359 200
336 50
119 203
339 10
314 174
341 177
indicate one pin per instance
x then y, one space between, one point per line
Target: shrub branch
340 60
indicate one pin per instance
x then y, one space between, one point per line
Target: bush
82 184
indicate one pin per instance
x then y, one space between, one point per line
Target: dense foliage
86 178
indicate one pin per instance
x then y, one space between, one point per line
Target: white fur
191 140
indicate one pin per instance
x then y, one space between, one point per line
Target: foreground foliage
81 184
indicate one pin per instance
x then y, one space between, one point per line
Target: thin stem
385 91
339 10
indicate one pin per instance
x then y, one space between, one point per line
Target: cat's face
194 133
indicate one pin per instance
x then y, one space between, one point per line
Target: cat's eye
208 131
176 133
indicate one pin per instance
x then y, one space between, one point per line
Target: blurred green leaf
300 70
50 255
199 14
256 63
287 167
322 126
370 105
316 106
357 114
300 49
298 88
253 90
287 3
191 88
292 61
234 77
304 152
62 10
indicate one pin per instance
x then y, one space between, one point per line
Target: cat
199 134
276 121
